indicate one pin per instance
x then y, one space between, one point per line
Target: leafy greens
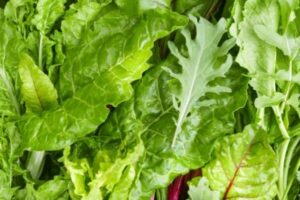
128 99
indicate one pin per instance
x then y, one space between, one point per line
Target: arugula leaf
202 65
244 166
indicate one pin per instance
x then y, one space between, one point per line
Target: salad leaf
36 87
199 190
47 13
150 129
86 109
129 99
54 189
10 46
251 45
201 66
244 166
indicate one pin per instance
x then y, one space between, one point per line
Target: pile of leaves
118 99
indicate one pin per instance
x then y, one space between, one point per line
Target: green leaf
138 6
20 13
265 101
288 45
202 65
243 166
11 46
149 115
251 46
199 190
130 37
36 88
56 189
48 12
195 7
90 84
78 17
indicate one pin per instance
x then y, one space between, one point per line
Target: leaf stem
289 86
288 159
41 51
36 163
280 122
282 158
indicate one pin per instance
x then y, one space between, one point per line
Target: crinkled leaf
56 189
96 85
21 13
36 88
149 115
243 166
129 38
199 190
137 6
11 46
251 46
48 12
78 17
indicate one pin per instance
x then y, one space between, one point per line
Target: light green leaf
48 12
199 190
55 189
36 88
138 6
11 46
95 81
265 101
78 17
288 15
288 45
21 12
129 38
294 102
149 114
251 46
202 65
243 166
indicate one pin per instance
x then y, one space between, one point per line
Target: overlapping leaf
10 46
36 88
97 80
247 15
201 66
199 190
149 119
243 166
